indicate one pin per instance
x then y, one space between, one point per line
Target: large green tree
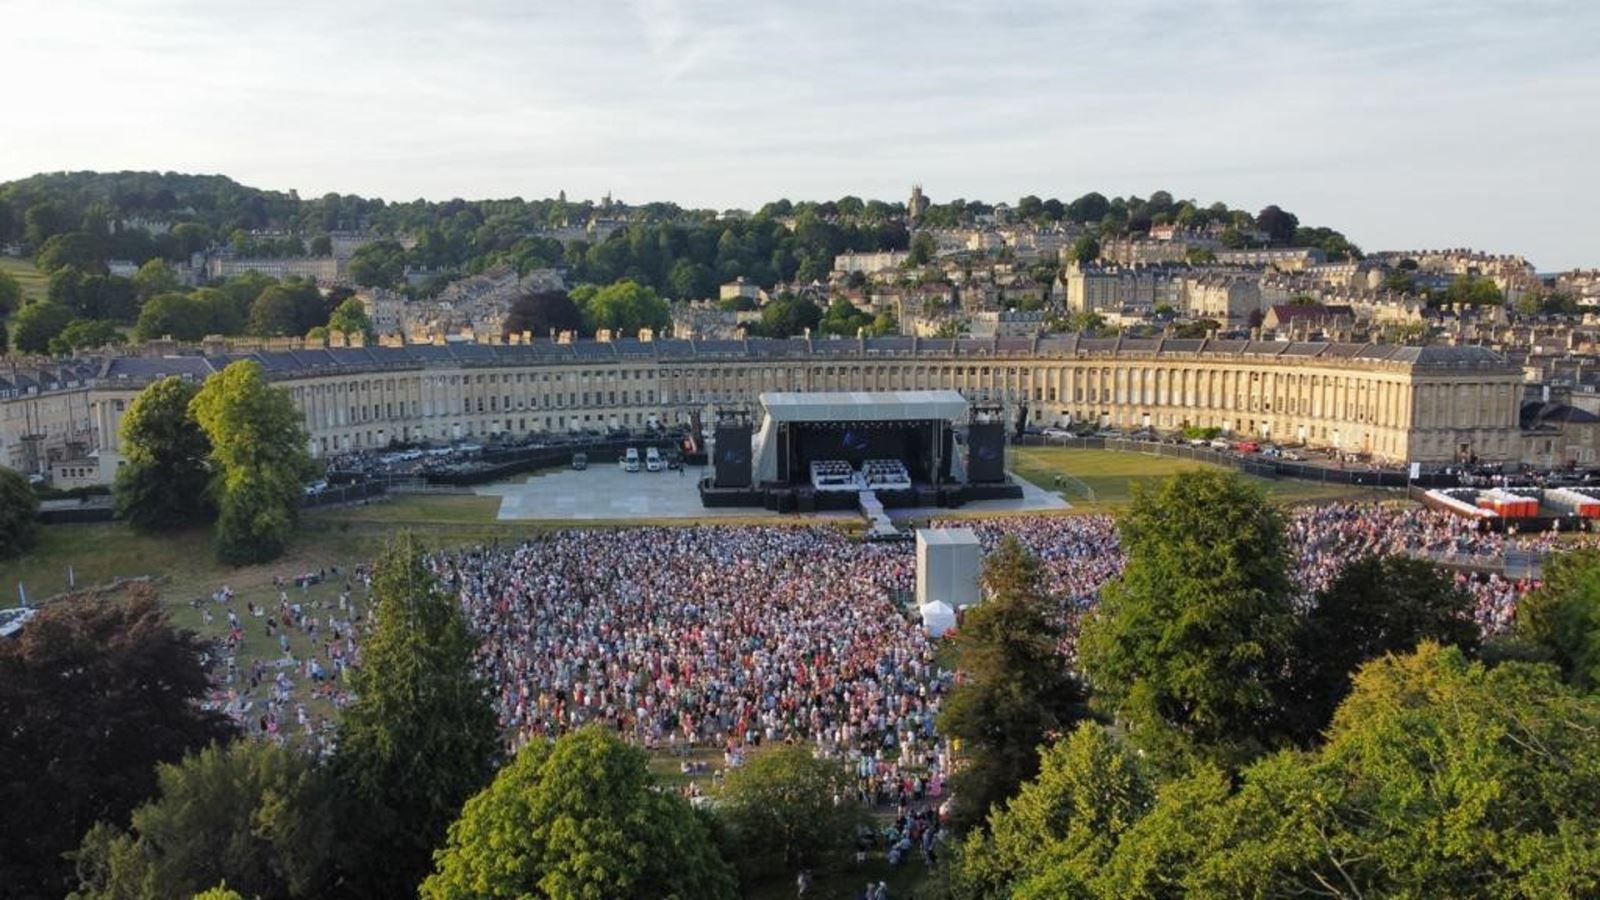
93 694
1563 616
1053 837
259 461
18 507
421 736
1376 605
35 325
781 812
256 815
541 312
578 819
1188 646
1440 778
163 482
350 318
1016 688
624 308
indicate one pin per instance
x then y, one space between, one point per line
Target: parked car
652 460
580 461
1247 447
1219 444
1292 456
630 460
1053 432
1198 442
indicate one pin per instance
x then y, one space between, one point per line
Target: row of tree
1214 739
231 449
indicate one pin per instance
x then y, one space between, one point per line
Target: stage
870 451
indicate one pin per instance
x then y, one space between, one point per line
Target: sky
1406 125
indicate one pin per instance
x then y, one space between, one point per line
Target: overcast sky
1404 124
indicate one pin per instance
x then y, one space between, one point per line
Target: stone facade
1430 404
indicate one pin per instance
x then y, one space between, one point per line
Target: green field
34 282
1113 474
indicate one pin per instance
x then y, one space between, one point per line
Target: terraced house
1397 403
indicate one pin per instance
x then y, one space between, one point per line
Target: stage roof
863 406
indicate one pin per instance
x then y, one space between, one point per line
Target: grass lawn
34 283
1112 475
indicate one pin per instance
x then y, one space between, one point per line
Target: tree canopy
786 811
1016 687
1440 778
253 814
1188 645
34 326
421 736
258 461
542 312
18 507
162 483
94 692
1375 606
1563 616
580 818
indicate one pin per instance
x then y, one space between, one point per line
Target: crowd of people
277 698
732 637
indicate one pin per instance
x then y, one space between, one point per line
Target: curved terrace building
1397 403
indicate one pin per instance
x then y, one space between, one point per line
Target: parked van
580 461
652 460
630 460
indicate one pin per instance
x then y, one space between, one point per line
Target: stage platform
606 493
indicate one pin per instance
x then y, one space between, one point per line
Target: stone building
1429 404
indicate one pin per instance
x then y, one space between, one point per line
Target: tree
94 693
76 249
626 307
258 461
253 814
349 318
1063 826
10 294
1016 690
1091 207
1188 645
162 484
1470 291
85 334
1440 778
421 736
788 316
322 245
1279 225
782 811
542 312
1563 616
922 249
1085 250
1375 606
178 316
37 324
378 264
18 507
5 338
576 819
155 277
275 314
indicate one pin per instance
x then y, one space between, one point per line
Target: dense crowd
731 637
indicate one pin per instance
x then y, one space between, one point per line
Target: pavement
605 492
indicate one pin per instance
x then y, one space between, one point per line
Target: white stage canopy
864 406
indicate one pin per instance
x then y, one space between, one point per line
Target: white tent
938 618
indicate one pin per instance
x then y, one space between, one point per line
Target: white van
630 460
652 460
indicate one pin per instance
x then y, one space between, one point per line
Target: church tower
917 205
